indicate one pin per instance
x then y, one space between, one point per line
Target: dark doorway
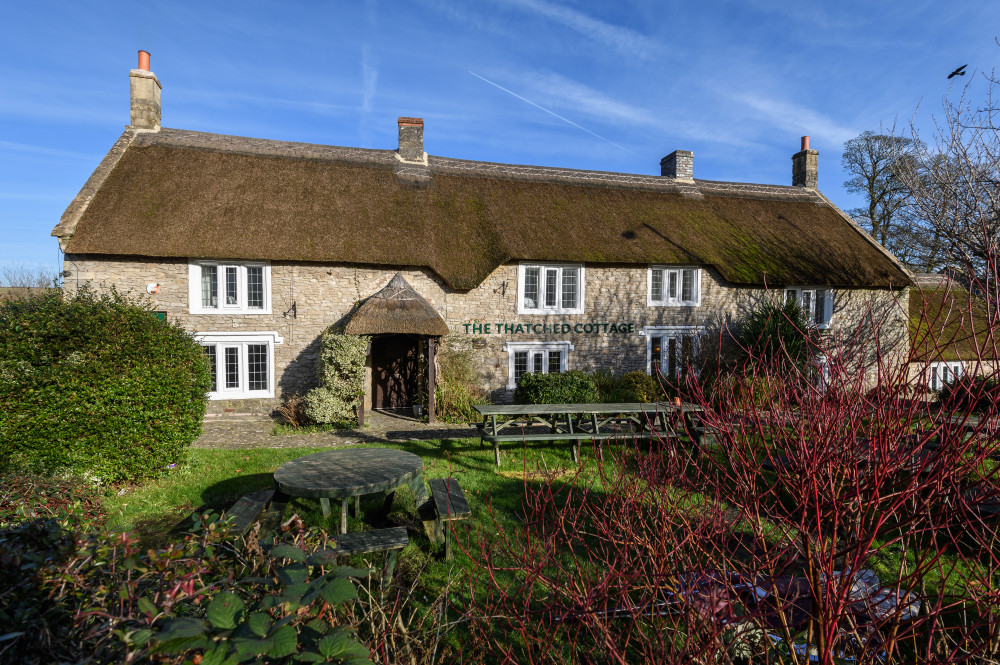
395 371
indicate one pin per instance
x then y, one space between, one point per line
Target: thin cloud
30 149
369 77
552 113
797 119
628 42
557 89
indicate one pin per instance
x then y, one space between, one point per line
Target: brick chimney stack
805 166
678 165
411 140
145 89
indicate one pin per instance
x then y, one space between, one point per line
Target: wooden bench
579 422
446 505
361 542
246 511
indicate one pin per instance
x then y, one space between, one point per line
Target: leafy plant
773 334
457 392
341 372
976 394
96 386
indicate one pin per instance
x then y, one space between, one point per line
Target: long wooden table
576 422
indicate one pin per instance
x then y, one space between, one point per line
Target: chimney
678 165
805 166
411 140
145 95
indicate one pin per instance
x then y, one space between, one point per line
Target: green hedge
341 373
566 388
97 386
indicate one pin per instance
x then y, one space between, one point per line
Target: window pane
209 286
538 362
687 285
257 367
551 277
555 362
934 378
656 286
569 278
807 305
820 314
231 279
791 295
255 287
531 288
656 348
232 367
671 358
212 359
520 365
673 285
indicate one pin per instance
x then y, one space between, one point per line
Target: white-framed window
673 286
242 363
229 287
671 351
939 373
535 358
816 303
549 289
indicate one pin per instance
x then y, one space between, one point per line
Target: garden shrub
457 392
96 386
970 394
566 388
643 387
341 373
773 334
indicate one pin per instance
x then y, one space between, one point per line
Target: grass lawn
215 479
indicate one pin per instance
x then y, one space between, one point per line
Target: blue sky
593 85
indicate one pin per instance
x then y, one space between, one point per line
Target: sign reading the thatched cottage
594 327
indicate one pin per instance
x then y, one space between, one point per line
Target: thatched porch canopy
397 309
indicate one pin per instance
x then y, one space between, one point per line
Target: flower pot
418 410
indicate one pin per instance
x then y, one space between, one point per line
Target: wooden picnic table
576 422
349 472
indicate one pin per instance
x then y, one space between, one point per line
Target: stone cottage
257 246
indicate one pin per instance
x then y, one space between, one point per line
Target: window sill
549 312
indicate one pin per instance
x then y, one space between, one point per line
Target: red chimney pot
144 60
805 142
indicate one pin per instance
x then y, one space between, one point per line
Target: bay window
535 358
241 364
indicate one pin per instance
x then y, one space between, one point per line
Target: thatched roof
397 308
188 194
948 323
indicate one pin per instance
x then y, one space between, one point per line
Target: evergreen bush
970 394
96 386
341 373
564 388
773 334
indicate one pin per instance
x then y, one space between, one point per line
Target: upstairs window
550 289
229 287
673 286
816 304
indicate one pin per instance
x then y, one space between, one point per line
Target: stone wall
307 298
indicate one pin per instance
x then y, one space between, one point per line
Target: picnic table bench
576 422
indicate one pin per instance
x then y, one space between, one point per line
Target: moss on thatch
184 194
948 323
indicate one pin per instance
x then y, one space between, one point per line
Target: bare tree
876 163
955 184
27 276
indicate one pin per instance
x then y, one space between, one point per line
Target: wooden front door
395 371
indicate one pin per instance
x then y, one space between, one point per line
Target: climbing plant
341 373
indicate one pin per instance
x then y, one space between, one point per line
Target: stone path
379 426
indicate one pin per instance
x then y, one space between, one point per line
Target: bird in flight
958 72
